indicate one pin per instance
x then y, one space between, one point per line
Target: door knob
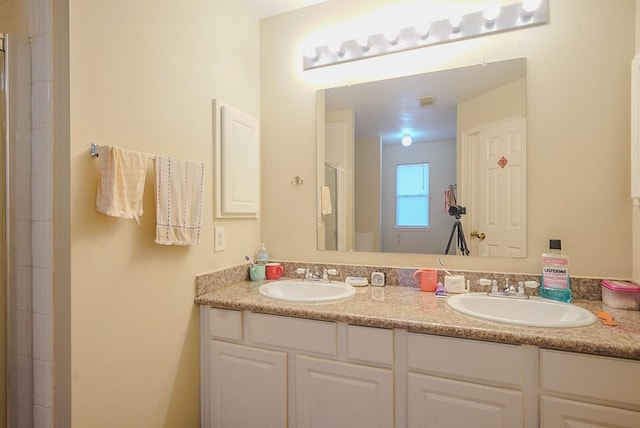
480 235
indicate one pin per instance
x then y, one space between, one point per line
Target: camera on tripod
457 210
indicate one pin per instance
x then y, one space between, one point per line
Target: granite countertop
410 309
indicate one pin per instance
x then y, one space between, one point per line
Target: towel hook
94 150
297 180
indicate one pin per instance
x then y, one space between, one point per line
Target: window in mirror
412 195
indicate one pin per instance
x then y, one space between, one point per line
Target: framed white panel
237 162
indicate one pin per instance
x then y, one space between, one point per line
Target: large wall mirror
458 188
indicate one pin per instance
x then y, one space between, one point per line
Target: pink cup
427 279
274 270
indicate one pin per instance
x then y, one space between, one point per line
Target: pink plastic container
621 294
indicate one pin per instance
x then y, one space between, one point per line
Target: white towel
179 186
325 200
121 184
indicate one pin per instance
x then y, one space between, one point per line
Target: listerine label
555 276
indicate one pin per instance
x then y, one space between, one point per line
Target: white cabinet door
558 412
248 387
443 403
332 394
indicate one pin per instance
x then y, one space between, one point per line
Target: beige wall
14 17
577 128
367 171
505 102
142 76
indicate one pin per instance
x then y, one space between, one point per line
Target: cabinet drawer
296 333
438 402
370 344
473 359
557 412
225 323
591 376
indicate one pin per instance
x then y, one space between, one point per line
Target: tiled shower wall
20 314
41 33
31 342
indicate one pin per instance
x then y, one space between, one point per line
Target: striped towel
121 184
179 186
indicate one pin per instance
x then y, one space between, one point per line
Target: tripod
462 243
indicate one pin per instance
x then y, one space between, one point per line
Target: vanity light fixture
476 24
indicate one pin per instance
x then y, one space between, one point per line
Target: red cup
427 279
274 270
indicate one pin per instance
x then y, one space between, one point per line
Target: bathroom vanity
397 357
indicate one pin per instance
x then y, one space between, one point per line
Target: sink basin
533 312
306 291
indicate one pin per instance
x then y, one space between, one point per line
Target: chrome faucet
508 290
316 276
326 273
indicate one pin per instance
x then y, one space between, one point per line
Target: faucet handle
494 287
332 272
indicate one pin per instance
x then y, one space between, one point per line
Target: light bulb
530 6
363 41
336 47
311 52
491 13
406 140
391 36
456 23
423 29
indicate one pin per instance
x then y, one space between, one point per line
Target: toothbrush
444 268
249 260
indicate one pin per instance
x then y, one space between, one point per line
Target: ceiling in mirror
387 108
448 115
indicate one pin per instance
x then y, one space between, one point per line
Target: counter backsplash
582 288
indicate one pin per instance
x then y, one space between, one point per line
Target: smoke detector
427 101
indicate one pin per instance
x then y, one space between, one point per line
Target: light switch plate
219 241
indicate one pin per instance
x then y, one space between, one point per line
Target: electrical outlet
218 244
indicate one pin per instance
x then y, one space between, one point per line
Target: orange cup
274 270
427 279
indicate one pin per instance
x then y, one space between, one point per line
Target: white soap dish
356 281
